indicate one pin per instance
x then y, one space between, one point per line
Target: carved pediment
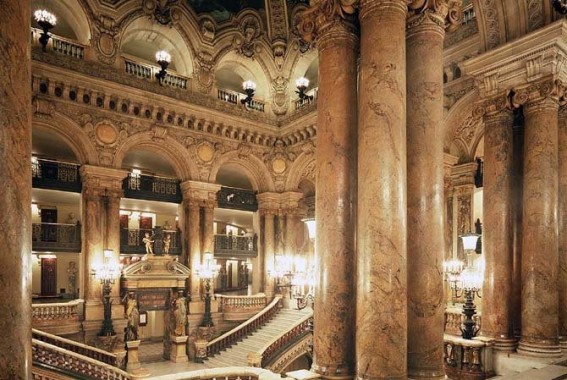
155 272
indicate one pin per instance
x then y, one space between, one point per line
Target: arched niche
149 162
234 69
49 145
72 22
307 66
252 167
142 39
234 175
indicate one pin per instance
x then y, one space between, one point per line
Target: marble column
193 228
425 224
92 246
269 253
15 198
112 232
334 321
562 224
518 138
498 233
208 227
381 307
540 259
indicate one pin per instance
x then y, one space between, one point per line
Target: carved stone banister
470 359
57 318
83 350
242 330
278 344
71 363
240 308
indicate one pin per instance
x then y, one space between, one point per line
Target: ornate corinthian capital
446 13
324 14
553 89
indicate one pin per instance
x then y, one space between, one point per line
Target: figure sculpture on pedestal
132 314
180 314
147 240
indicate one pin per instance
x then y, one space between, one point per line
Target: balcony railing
139 186
57 318
55 175
145 71
131 241
57 237
61 45
237 199
234 97
240 308
278 345
300 103
236 246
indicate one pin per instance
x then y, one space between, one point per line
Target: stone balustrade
50 356
454 319
57 318
61 45
240 308
470 359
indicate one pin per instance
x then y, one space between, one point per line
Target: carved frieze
162 11
205 72
280 100
246 42
105 37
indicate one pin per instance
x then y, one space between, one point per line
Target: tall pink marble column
15 197
208 227
425 224
92 243
193 228
113 236
540 259
498 231
381 307
562 222
269 252
333 338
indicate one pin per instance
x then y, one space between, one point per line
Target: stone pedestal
200 350
178 349
15 197
381 304
133 361
254 359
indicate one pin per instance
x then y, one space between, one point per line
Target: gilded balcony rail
131 241
152 188
237 199
55 175
236 246
239 332
57 237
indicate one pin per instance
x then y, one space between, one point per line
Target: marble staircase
236 356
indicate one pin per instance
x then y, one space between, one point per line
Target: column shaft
194 231
498 234
208 228
15 198
269 253
425 236
336 180
562 214
113 234
381 308
540 259
92 244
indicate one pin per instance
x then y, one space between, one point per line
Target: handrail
240 331
275 346
242 302
60 310
51 356
76 347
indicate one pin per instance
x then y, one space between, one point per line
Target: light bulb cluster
43 16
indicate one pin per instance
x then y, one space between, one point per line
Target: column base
332 372
542 349
505 344
563 343
433 375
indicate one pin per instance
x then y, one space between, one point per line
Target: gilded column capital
445 14
202 192
550 92
493 106
102 180
327 20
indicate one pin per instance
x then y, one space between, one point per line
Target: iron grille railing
56 237
237 199
54 175
140 186
131 241
236 246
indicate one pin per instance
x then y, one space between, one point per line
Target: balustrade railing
153 188
300 103
454 319
237 199
236 246
242 303
54 175
234 97
470 359
145 71
131 241
61 45
278 345
57 237
71 346
239 332
49 312
468 14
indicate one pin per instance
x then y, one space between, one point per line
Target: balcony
152 188
60 45
148 72
234 97
236 246
300 103
131 241
55 175
56 237
237 199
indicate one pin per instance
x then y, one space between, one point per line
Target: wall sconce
163 59
301 84
560 6
249 88
207 271
107 273
46 21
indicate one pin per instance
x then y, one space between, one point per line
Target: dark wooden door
124 221
49 276
146 222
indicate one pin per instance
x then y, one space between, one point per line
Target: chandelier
560 6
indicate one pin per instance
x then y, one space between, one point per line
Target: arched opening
72 23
